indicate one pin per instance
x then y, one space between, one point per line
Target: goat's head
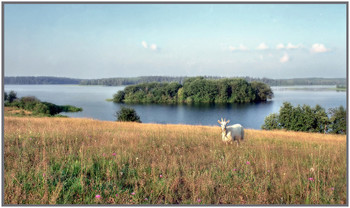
223 124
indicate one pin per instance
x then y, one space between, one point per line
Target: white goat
231 133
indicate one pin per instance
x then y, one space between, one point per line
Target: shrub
70 108
40 108
271 122
12 96
28 103
127 114
6 96
338 120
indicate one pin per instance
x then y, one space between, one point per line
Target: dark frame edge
2 103
175 2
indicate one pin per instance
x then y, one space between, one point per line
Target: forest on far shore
119 81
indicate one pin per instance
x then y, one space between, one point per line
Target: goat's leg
237 139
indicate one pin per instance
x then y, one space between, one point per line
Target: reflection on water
251 115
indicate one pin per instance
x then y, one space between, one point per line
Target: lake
93 101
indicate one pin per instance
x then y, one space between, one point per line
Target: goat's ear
228 121
219 122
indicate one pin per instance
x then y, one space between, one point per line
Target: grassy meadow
84 161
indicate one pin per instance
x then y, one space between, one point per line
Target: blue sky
126 40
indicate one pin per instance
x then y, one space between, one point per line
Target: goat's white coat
232 133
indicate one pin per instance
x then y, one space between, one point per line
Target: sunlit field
84 161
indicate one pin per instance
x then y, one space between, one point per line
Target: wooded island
196 90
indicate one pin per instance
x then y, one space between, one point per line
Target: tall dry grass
83 161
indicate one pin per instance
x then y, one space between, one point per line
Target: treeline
167 79
307 119
196 90
36 106
40 80
132 80
180 80
305 81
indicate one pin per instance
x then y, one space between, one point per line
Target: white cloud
284 58
241 47
318 48
262 46
231 48
288 46
153 47
280 46
291 46
144 44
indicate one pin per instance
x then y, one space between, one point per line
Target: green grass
71 161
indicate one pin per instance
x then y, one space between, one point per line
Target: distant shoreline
311 87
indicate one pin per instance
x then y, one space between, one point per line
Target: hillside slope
84 161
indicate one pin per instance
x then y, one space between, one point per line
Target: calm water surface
93 101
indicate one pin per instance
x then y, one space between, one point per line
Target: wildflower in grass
44 174
104 155
268 171
234 169
114 154
146 199
116 195
160 176
311 179
98 196
332 188
133 193
248 163
199 200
